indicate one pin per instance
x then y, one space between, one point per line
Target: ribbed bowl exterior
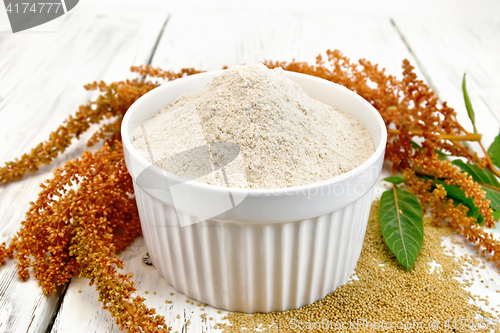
254 267
254 250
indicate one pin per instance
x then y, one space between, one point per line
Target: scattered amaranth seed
387 294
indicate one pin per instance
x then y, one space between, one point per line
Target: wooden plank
210 39
43 72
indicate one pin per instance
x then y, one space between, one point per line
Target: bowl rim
127 142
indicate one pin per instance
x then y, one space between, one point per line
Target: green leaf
468 105
400 219
486 179
494 151
496 215
494 197
395 179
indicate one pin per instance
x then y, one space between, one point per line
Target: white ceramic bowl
254 250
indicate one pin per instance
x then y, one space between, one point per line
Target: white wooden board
43 73
206 39
209 39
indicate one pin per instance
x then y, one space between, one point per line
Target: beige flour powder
280 136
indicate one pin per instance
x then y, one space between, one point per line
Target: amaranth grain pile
284 137
382 297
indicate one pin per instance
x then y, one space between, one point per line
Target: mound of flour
279 136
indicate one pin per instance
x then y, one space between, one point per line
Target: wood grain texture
42 78
211 39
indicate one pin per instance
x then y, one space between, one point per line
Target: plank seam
57 308
157 41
